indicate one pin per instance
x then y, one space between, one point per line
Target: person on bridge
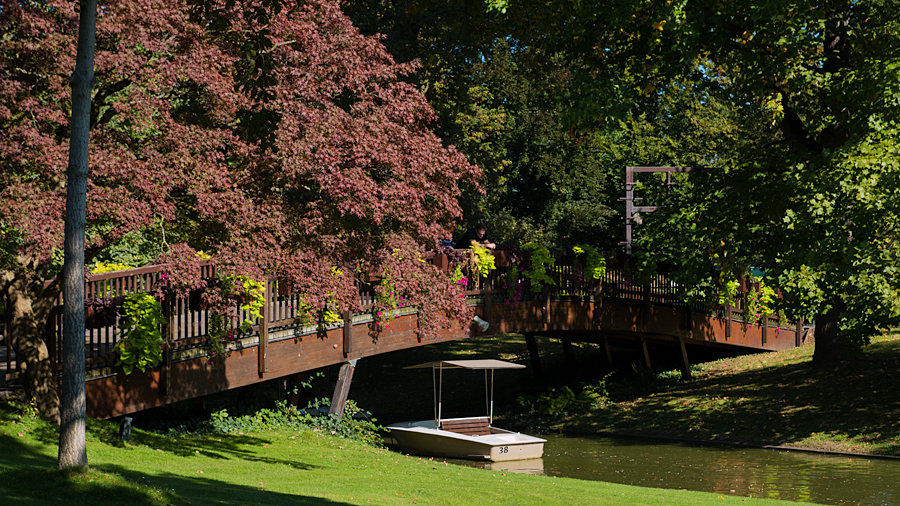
477 235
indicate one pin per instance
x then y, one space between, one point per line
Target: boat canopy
437 375
467 364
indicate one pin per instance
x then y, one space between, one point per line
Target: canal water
749 472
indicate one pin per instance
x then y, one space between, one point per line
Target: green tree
814 200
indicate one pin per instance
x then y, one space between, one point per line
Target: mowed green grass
278 468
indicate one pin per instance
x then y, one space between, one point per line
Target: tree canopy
814 200
273 136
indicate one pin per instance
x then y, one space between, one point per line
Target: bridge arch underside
661 334
656 330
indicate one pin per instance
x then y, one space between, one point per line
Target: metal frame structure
632 212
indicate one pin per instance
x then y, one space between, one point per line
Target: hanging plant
249 296
760 305
484 259
141 344
537 270
512 282
387 303
594 263
100 312
458 277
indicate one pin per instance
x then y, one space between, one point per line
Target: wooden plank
607 351
646 353
469 426
685 365
342 389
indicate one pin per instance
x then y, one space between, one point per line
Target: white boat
466 438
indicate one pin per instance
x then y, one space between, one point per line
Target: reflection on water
773 474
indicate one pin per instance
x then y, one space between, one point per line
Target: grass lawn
770 398
275 468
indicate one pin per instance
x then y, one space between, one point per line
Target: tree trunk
26 335
830 343
72 438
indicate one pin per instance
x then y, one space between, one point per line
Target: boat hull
424 438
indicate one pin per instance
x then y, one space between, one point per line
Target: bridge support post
569 354
169 336
263 350
535 356
646 353
348 333
298 387
728 321
545 317
609 358
690 319
342 389
488 302
685 365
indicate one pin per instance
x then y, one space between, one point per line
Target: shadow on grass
30 478
189 489
852 407
222 447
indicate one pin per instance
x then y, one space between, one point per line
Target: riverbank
278 467
768 399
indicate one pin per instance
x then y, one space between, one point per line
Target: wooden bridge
610 311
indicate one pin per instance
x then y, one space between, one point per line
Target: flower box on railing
101 312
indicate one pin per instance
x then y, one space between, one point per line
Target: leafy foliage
558 402
141 343
536 271
484 260
594 263
810 198
283 417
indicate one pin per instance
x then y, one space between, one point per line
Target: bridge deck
607 312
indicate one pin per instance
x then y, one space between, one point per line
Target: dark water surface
773 474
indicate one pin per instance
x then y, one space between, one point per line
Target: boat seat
468 426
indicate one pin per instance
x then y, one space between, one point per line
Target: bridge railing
188 326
